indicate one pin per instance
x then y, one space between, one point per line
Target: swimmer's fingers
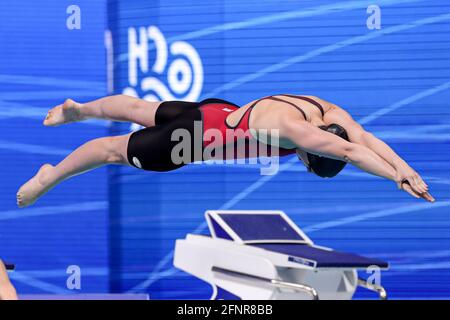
414 182
418 183
407 188
426 195
422 183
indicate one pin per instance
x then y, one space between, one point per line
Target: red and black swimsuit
215 114
153 148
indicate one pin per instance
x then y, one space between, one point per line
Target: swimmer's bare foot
34 188
69 111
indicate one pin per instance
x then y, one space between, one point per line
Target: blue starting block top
322 258
256 227
275 232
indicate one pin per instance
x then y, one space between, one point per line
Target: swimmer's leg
93 154
116 108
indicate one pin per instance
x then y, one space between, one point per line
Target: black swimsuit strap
243 116
280 100
290 103
312 101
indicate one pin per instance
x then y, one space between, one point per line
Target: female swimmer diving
324 136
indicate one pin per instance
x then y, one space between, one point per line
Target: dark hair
326 167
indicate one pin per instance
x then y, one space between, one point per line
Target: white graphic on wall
73 21
181 79
374 20
73 282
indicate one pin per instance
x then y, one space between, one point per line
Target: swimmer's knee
116 149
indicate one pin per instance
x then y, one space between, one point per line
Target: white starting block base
264 255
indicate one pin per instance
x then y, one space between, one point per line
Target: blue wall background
41 64
395 80
120 225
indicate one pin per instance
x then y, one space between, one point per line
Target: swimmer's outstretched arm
357 134
320 142
117 108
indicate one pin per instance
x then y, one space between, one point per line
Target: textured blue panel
324 258
260 227
218 230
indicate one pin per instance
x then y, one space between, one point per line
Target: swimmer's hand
410 181
409 175
425 195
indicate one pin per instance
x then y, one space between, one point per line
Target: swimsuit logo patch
137 163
